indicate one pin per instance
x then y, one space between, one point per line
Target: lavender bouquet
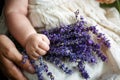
72 43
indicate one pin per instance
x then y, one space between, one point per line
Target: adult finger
10 69
17 58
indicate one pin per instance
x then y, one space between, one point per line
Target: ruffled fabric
49 14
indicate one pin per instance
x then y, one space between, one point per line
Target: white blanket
51 13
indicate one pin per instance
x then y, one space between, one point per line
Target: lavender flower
72 43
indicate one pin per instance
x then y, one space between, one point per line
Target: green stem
118 5
115 4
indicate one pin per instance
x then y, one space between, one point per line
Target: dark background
1 5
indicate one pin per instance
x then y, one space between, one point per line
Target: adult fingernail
31 69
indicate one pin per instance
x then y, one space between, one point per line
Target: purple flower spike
72 43
25 57
104 58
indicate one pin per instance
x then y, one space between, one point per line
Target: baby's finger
33 58
41 51
46 39
43 45
35 54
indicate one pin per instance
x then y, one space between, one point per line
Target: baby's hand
37 45
106 1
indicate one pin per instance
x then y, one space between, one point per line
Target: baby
16 12
23 15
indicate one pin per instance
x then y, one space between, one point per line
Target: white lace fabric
52 13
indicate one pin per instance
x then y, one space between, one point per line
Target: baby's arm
21 28
18 24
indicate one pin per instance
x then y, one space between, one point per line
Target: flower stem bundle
74 44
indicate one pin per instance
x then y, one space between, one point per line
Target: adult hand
11 60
